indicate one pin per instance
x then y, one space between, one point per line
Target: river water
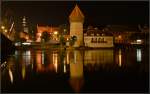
99 70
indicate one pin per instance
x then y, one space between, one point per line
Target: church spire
76 14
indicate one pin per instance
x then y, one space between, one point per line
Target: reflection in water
27 57
65 68
43 57
46 62
38 61
23 71
120 58
101 56
74 62
11 69
67 56
139 55
11 75
55 61
76 70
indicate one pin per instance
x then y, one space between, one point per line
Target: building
90 38
24 34
96 38
76 19
53 31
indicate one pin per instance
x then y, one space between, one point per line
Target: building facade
96 41
76 19
53 31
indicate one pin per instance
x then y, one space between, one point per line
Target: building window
95 40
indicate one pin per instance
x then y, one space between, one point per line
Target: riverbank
57 46
7 48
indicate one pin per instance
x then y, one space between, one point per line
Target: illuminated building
24 34
53 31
76 71
24 24
97 38
76 19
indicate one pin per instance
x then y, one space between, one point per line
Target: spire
76 14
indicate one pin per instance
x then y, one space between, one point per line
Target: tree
62 41
45 36
72 41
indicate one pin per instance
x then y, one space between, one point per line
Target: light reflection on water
72 62
120 58
139 55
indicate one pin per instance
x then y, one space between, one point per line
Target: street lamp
5 30
55 32
3 27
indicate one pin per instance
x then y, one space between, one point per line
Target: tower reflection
76 70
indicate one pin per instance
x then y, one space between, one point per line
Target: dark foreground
101 70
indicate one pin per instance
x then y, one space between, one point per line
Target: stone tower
24 24
76 19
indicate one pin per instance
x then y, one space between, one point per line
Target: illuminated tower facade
24 24
76 19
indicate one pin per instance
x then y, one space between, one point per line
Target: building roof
76 15
122 28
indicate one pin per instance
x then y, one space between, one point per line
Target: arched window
95 40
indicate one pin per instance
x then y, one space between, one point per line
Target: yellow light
23 71
119 36
64 68
40 34
65 30
120 61
11 76
56 66
55 32
5 30
2 27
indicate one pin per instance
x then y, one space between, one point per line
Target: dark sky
96 12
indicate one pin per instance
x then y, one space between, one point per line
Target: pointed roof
76 14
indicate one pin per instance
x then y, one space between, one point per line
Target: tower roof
76 15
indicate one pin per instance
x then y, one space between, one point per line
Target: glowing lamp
2 27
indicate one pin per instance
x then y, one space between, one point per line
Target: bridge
9 34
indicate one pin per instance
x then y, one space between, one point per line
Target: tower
24 24
76 19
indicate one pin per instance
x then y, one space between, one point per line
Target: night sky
96 12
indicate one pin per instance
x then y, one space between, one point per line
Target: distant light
5 30
2 27
120 36
26 43
139 41
55 32
65 30
39 34
17 44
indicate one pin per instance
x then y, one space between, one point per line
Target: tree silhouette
72 40
45 36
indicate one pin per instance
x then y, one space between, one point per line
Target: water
101 70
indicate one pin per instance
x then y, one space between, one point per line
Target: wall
98 41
